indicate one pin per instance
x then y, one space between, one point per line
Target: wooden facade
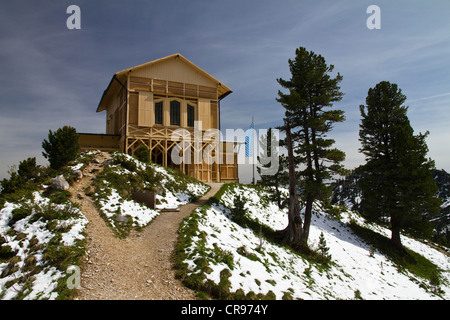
170 106
102 142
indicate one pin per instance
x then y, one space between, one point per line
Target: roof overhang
119 78
107 98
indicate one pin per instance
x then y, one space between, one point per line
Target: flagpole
253 151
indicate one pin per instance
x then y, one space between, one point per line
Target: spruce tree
311 90
397 182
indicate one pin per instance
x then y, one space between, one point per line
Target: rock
59 183
11 267
30 261
121 218
7 271
147 198
159 190
78 174
95 160
107 162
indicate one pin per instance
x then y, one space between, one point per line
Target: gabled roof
119 78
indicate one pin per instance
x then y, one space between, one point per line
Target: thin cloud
429 98
56 77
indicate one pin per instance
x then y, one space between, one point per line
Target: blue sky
52 76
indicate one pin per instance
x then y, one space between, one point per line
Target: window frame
190 114
175 113
162 112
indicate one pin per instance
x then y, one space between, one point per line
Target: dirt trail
138 267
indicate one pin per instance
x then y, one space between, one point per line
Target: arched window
174 113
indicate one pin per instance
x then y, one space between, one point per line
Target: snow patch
355 269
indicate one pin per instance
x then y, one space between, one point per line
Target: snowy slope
32 238
347 192
355 270
37 246
173 192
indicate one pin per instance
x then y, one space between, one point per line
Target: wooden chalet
148 104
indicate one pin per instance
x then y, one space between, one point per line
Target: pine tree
61 147
397 182
311 90
323 249
270 177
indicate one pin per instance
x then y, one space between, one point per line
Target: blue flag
249 142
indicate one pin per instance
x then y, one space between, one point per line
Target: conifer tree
311 90
270 177
323 248
397 182
61 147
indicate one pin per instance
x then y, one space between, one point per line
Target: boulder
107 162
59 183
121 219
78 174
147 198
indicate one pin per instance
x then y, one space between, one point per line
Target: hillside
43 232
346 191
226 256
225 248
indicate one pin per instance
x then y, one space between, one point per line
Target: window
159 112
190 116
174 113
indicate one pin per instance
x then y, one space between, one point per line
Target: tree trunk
307 223
292 235
310 178
395 235
277 191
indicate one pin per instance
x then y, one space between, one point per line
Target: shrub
143 154
6 252
62 147
58 196
28 169
12 184
22 182
19 214
238 212
125 162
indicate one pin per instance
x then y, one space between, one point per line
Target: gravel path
138 267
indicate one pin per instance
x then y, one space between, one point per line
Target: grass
53 215
54 253
126 175
267 234
192 242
